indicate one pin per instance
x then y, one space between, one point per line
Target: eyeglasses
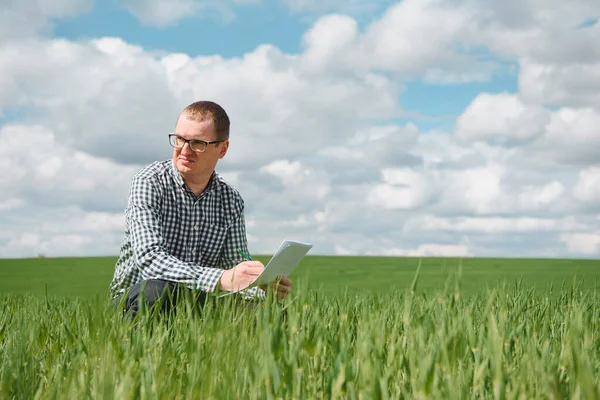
197 145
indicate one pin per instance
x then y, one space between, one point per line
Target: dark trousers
162 296
159 295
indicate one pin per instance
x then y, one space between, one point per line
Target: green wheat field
354 328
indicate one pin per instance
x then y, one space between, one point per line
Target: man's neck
197 184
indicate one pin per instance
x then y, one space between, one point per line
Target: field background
91 277
355 328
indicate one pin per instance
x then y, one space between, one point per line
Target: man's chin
184 167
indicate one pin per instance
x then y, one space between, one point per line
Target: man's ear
223 149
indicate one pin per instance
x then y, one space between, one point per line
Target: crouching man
184 225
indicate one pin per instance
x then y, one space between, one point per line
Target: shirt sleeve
230 257
143 220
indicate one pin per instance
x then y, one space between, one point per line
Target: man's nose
187 149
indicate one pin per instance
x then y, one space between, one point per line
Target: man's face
190 163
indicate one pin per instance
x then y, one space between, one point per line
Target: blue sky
251 26
418 127
434 106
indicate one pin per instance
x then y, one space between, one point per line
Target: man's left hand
283 286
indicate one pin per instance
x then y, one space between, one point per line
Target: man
184 225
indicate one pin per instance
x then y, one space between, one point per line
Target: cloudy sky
421 127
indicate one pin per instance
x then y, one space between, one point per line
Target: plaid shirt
171 234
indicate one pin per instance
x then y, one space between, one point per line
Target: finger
253 273
253 270
283 289
255 264
285 281
281 294
275 285
282 283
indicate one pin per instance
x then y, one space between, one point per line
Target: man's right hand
240 276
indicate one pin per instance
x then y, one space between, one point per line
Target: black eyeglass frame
190 142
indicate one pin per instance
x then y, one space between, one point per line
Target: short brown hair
203 110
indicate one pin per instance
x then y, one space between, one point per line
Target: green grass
358 328
506 343
89 277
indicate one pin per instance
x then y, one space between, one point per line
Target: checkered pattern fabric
171 234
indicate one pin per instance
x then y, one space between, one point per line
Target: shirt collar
212 182
176 175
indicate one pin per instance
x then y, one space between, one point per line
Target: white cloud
422 38
424 250
27 18
581 244
497 225
299 190
559 61
277 105
587 188
403 189
437 250
161 14
53 174
281 191
61 231
413 38
353 7
439 149
80 84
502 119
440 41
11 204
478 190
90 96
533 197
572 85
330 43
572 137
317 148
514 27
289 172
